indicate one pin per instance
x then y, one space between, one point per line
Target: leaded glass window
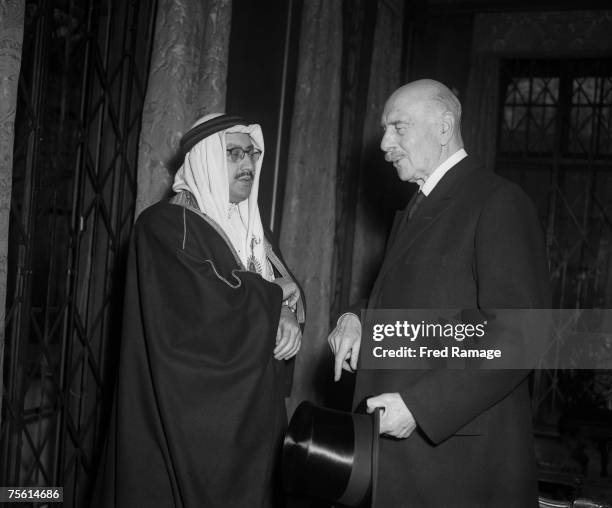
556 106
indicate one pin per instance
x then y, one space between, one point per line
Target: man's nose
386 142
247 163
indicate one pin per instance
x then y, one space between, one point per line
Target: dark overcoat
474 243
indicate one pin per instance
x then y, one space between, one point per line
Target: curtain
372 218
307 227
479 125
11 40
187 80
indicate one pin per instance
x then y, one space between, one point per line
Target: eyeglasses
237 154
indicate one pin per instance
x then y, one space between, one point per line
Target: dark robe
474 243
198 412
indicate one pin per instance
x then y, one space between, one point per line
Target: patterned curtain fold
187 80
307 228
11 41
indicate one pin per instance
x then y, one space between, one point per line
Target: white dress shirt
441 170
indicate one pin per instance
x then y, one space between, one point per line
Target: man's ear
447 128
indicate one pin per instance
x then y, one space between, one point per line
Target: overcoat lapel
401 216
409 231
405 232
398 220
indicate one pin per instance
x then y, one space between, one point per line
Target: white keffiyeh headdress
204 174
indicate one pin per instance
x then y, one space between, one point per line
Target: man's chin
238 199
241 192
404 174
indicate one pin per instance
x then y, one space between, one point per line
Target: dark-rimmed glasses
237 154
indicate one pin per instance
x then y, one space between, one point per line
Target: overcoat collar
405 233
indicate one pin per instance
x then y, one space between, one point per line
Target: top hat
332 455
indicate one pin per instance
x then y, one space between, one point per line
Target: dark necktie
415 204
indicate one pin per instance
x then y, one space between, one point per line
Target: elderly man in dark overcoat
469 239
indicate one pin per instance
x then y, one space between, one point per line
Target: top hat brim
332 455
370 498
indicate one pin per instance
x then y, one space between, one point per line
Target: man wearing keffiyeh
211 325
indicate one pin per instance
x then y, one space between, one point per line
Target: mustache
245 172
392 156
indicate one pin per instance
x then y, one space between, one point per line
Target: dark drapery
374 207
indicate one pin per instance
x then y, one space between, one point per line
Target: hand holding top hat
345 341
396 419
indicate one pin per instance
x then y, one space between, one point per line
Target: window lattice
591 115
562 107
555 140
81 93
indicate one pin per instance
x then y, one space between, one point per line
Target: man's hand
344 341
396 419
291 292
288 335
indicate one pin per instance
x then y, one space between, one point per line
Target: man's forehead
403 108
394 113
238 139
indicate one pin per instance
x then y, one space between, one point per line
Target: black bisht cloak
198 412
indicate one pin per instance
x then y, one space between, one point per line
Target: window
556 107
